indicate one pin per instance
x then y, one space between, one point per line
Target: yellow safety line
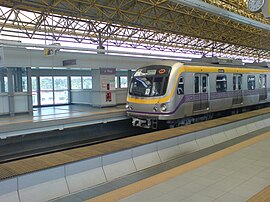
170 174
262 196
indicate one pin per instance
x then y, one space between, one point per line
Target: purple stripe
204 96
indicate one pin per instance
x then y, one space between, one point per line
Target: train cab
150 93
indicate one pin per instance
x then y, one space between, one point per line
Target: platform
234 174
87 172
58 117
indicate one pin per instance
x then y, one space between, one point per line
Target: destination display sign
152 71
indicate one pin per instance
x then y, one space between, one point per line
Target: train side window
234 82
251 82
196 82
262 81
221 83
180 87
239 82
204 84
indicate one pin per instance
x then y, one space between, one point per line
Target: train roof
226 62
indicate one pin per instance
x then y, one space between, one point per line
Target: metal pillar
130 74
29 91
11 91
100 43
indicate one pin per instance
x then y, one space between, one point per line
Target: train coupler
144 123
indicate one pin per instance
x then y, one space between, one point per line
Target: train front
150 94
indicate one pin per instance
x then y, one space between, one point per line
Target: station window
251 82
123 82
34 91
46 90
6 84
3 80
87 82
60 90
221 83
180 88
20 79
116 82
24 84
76 82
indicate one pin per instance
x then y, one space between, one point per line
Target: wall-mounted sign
107 71
69 62
108 96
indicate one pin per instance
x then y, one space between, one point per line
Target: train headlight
163 107
129 107
155 109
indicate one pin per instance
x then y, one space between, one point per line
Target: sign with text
69 62
107 71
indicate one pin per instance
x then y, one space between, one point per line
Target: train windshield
150 81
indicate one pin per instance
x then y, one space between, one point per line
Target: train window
234 82
180 88
156 86
197 85
204 84
239 82
221 83
251 82
262 81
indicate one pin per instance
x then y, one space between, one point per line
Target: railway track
26 146
54 141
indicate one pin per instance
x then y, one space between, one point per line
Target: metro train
180 93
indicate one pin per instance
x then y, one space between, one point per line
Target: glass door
237 89
262 87
201 90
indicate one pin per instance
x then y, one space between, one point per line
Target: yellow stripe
206 69
195 69
147 183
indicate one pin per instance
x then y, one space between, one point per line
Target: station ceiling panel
150 24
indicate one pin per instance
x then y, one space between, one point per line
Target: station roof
148 24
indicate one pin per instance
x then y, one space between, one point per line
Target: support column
69 89
100 43
11 91
29 91
130 74
38 91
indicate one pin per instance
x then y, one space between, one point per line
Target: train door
201 91
262 87
237 88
